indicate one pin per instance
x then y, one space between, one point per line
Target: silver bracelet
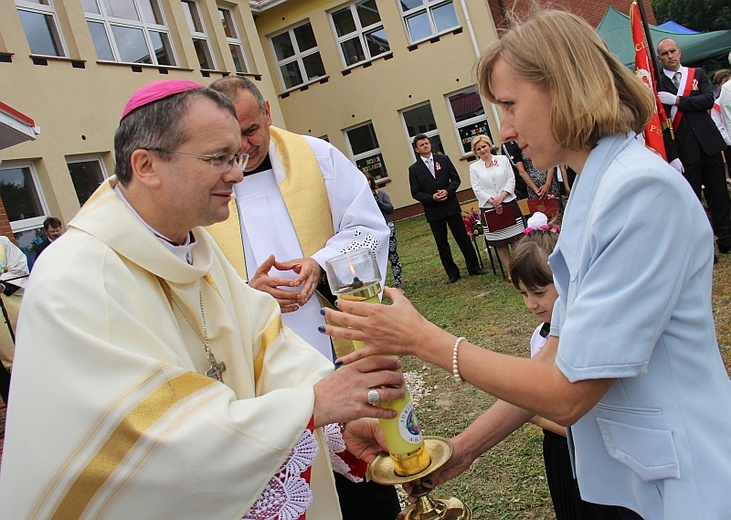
455 365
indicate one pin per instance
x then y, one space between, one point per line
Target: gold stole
3 261
305 196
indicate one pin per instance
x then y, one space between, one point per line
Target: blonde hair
479 138
594 95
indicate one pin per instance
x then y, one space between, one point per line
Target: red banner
644 71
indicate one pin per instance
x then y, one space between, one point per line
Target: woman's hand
396 329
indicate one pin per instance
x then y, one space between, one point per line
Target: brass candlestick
382 471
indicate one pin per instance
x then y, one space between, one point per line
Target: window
366 153
420 120
360 32
427 18
298 57
198 34
86 174
129 31
24 204
41 27
469 118
234 41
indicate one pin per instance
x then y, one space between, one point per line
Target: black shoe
715 259
453 279
725 248
479 272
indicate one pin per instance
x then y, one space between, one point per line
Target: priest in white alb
149 381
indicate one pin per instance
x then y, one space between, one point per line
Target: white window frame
467 122
233 40
360 32
194 18
27 224
87 159
428 133
146 27
367 154
427 6
298 57
45 10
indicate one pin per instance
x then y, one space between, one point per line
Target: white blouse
491 179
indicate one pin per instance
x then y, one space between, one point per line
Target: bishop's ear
145 167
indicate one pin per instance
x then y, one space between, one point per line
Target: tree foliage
700 15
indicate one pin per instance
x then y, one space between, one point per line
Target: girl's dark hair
529 260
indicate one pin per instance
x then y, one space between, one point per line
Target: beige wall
78 109
379 92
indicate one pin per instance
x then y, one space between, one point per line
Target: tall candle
403 435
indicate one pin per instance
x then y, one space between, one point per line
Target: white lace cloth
287 495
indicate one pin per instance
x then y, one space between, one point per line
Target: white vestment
266 227
15 271
111 415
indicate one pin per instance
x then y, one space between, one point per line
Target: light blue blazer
633 269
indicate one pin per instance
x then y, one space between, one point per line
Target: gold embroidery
123 439
267 337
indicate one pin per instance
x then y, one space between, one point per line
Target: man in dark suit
688 96
434 182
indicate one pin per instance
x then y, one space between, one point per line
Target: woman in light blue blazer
636 375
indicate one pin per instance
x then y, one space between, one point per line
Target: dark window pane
204 54
436 144
101 42
305 37
131 45
362 139
466 133
444 17
18 193
466 105
228 25
352 51
419 120
373 165
86 176
291 75
377 42
410 4
419 26
283 47
343 21
163 50
313 66
41 33
368 13
238 58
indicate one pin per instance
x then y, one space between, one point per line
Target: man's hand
308 276
364 439
440 196
675 163
666 98
342 396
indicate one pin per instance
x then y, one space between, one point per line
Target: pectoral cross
216 369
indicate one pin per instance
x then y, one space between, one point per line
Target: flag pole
648 37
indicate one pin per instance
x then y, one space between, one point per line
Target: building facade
367 75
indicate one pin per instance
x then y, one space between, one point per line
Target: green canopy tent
615 31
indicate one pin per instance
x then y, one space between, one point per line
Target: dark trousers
456 225
709 172
366 500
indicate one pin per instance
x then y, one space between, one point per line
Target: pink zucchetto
156 91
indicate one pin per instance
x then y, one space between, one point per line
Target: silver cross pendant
216 369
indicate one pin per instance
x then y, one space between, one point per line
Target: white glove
675 163
666 98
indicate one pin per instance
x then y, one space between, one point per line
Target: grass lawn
509 481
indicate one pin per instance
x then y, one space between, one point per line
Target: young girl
532 276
